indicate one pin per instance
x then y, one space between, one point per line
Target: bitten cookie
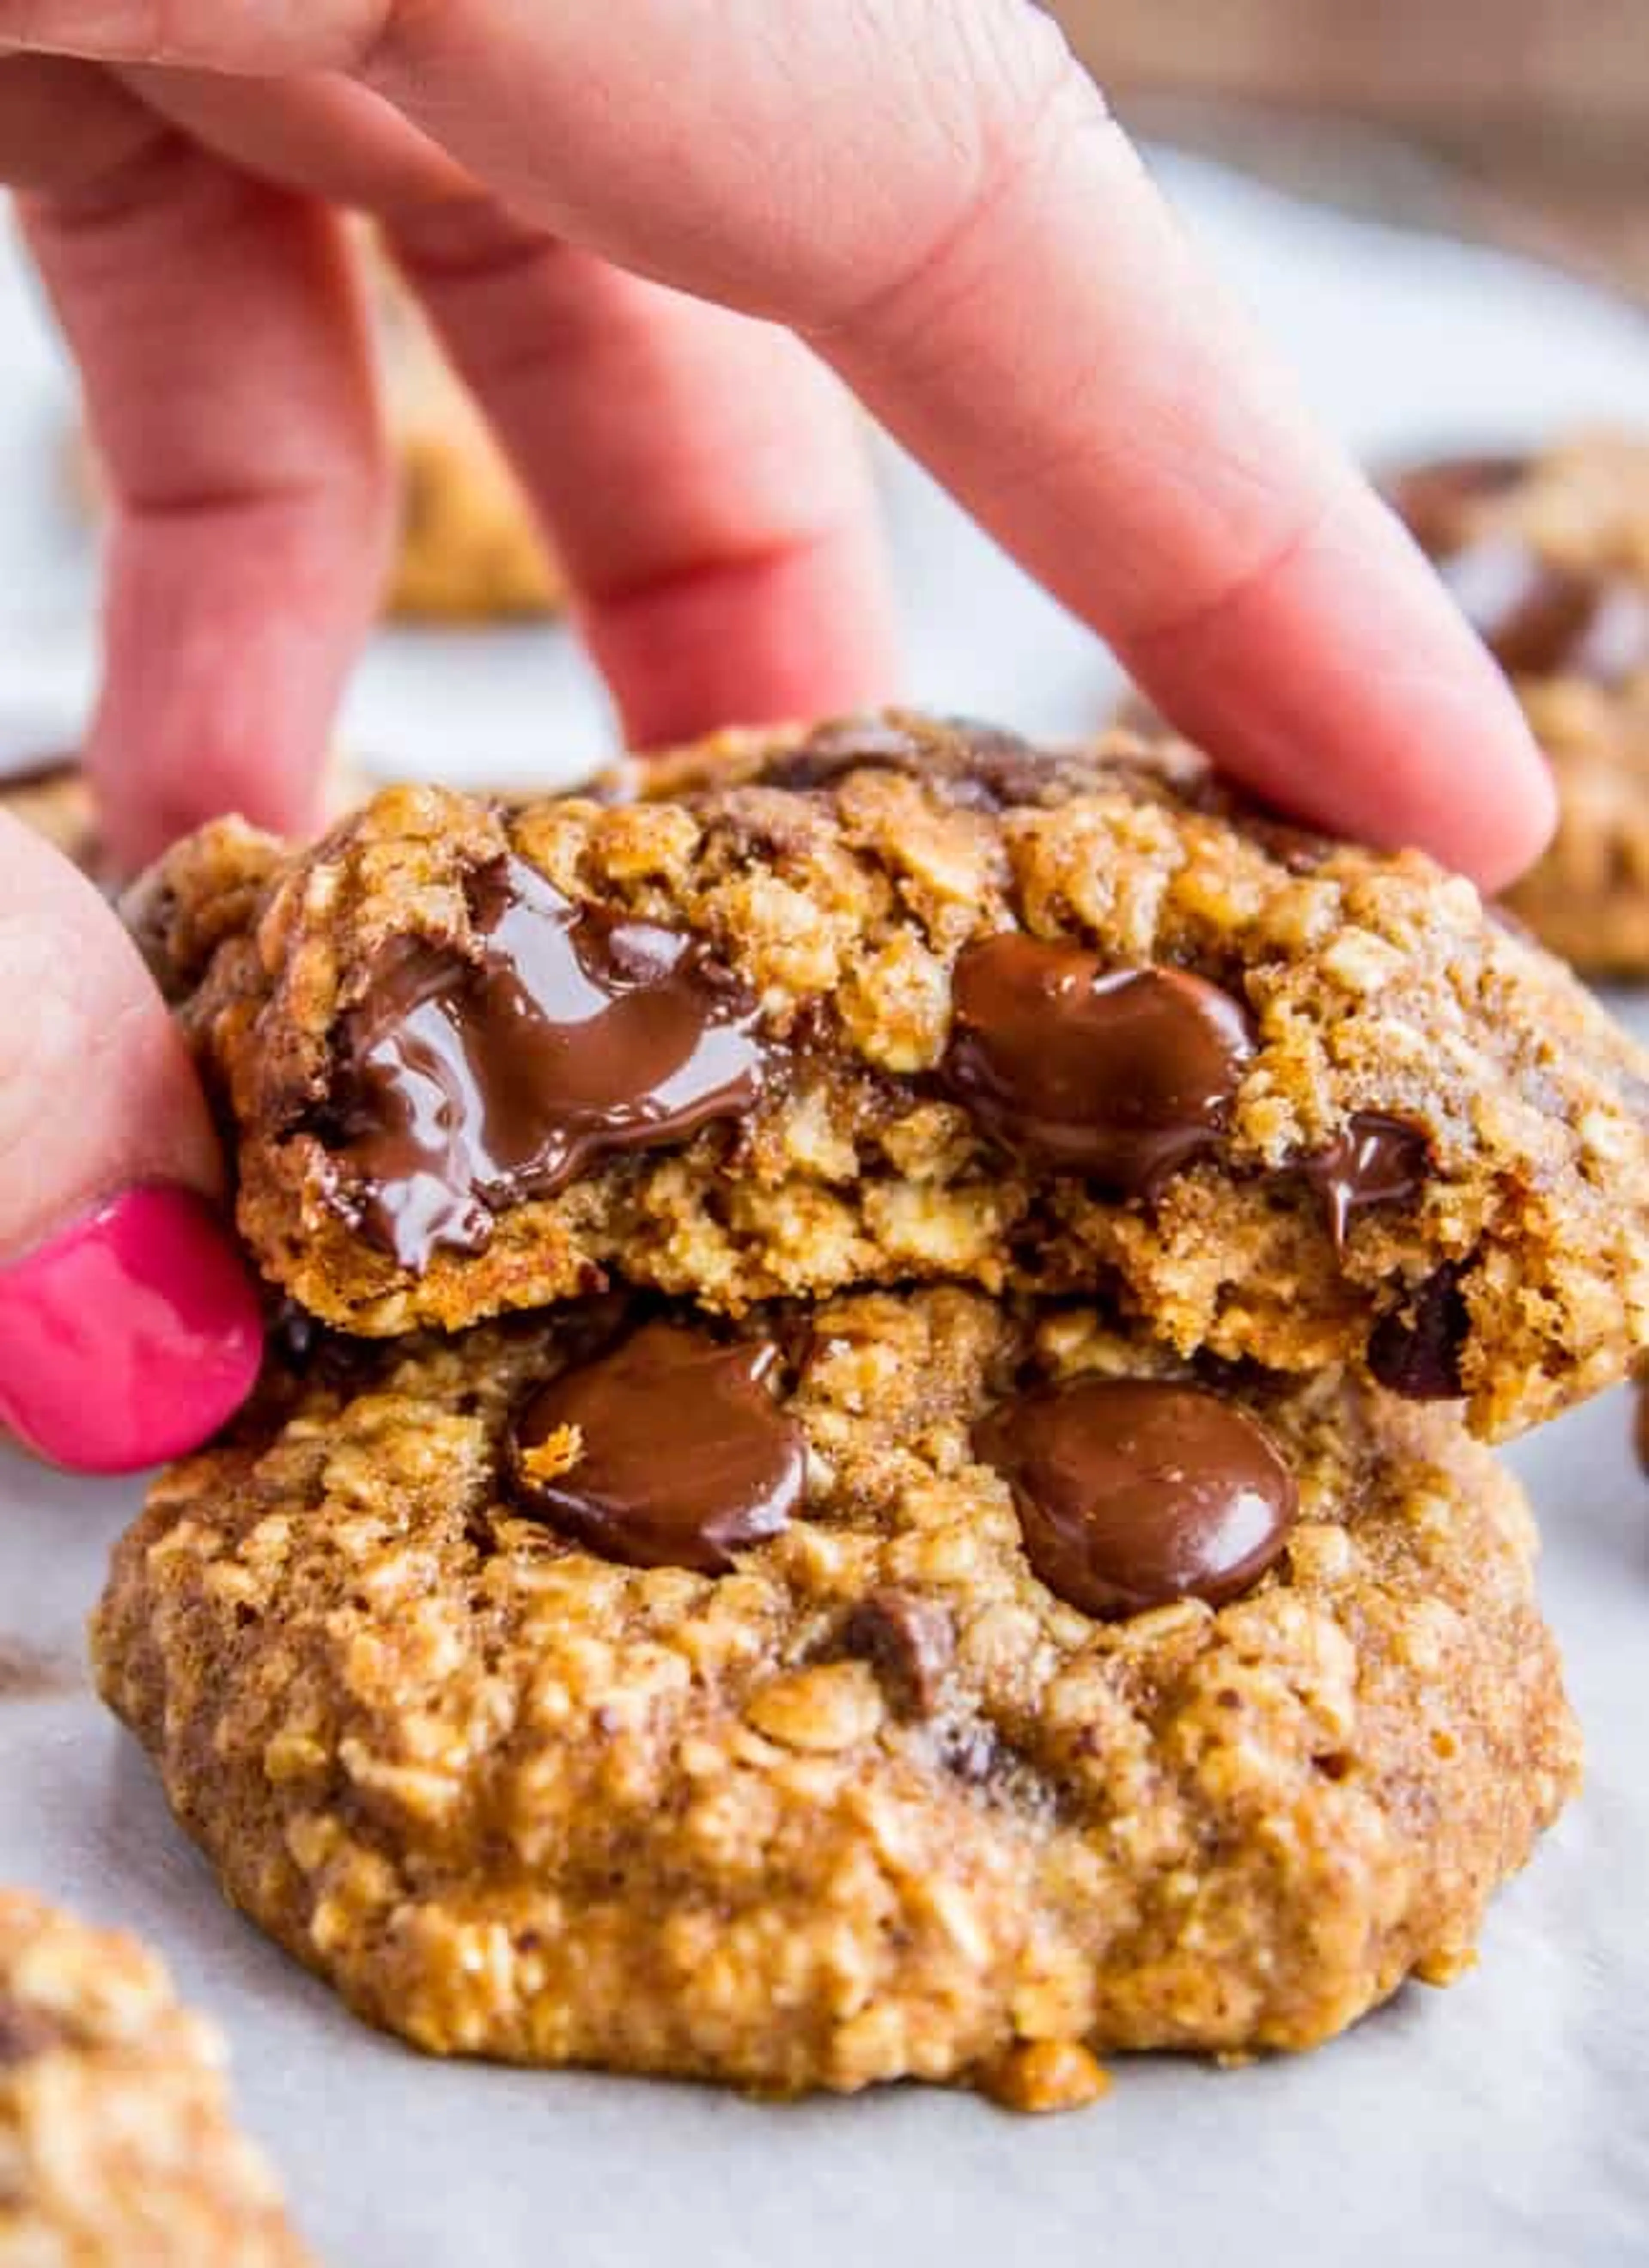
116 2144
916 1686
1548 556
899 1001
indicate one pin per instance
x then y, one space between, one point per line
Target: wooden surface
1526 121
1517 62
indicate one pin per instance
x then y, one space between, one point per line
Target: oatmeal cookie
898 1001
116 2145
1548 556
918 1686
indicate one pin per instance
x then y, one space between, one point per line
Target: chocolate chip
1640 1426
1125 1074
1537 618
681 1456
1415 1351
909 1641
1132 1492
1377 1160
467 1080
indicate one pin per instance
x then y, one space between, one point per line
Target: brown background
1523 119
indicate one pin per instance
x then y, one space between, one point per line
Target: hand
648 230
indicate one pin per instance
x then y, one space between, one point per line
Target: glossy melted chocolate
470 1079
682 1455
1132 1492
1125 1074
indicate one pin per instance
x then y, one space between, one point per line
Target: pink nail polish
131 1336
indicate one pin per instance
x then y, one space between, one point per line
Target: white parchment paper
1507 2121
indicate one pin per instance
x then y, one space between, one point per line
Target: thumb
129 1326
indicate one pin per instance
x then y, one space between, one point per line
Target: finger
128 1328
739 575
701 477
937 197
317 133
251 503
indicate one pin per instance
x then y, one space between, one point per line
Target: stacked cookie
869 1467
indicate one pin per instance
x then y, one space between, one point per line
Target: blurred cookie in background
116 2139
1548 556
469 549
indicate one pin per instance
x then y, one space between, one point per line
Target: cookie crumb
1042 2075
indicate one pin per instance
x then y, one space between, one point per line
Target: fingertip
803 631
1510 819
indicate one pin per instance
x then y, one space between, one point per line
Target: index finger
937 198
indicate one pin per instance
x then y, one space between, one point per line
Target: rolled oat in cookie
1548 553
918 1685
117 2143
899 1001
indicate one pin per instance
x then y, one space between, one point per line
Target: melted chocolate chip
1377 1160
682 1456
909 1641
468 1080
1125 1074
1132 1492
1640 1426
1415 1351
1538 619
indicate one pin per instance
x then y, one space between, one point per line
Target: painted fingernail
131 1336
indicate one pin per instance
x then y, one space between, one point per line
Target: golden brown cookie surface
116 2145
899 1001
433 1666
